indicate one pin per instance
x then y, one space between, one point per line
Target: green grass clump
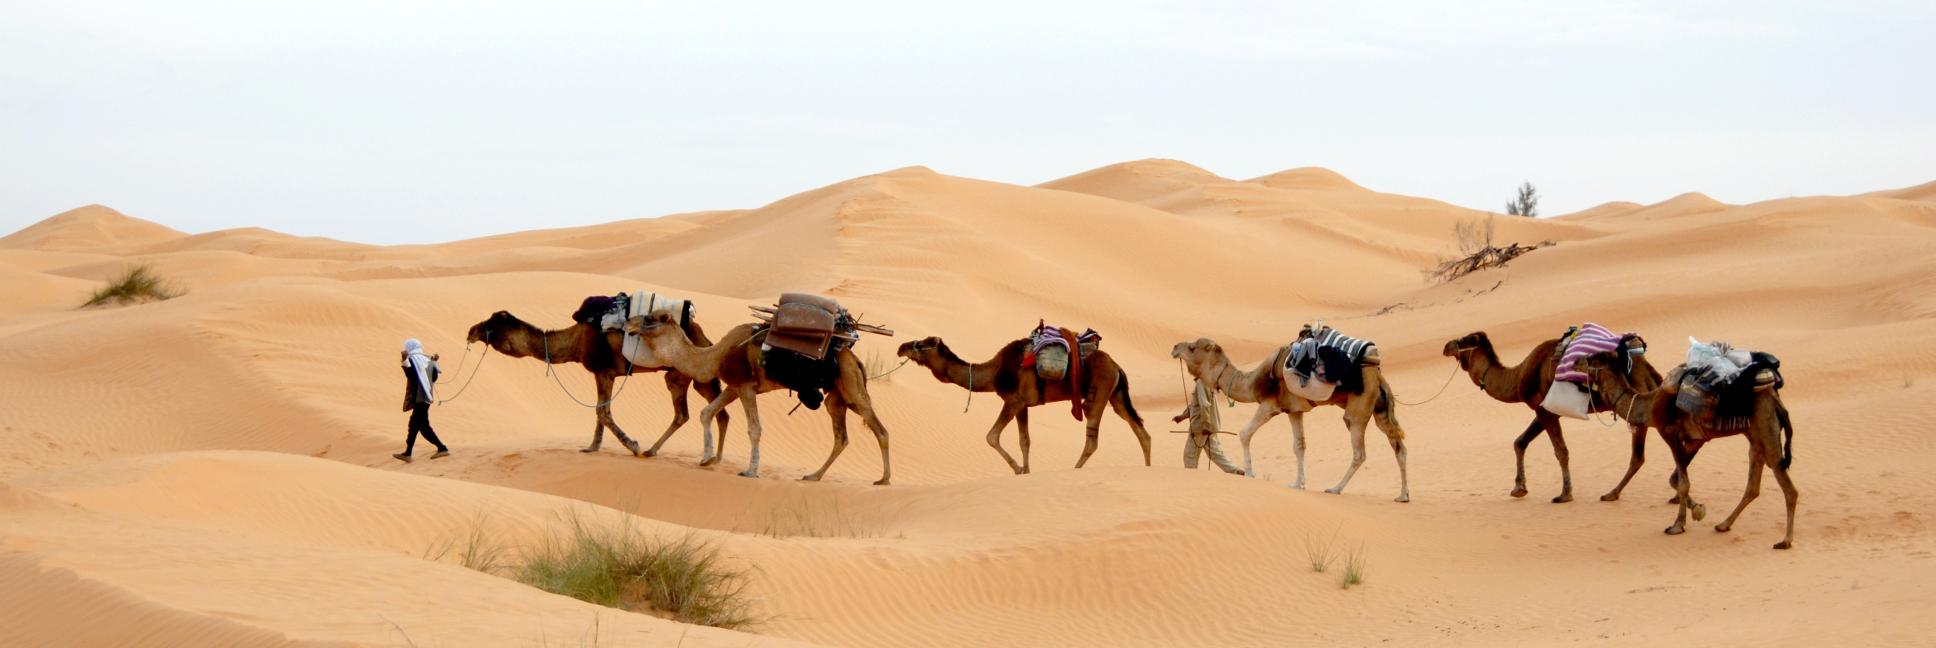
136 285
1356 562
1320 549
622 568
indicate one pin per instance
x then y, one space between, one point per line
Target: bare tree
1527 204
1477 251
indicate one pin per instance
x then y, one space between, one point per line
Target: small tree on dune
1527 204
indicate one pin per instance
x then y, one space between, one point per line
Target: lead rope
561 384
1448 383
474 369
971 389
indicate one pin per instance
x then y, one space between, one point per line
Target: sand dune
214 469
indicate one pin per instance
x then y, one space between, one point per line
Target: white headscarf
415 359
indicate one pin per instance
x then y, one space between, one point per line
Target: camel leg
1009 410
1142 434
1297 446
749 399
1747 494
837 409
1682 457
605 415
1357 427
1633 463
1397 438
1089 443
855 393
677 385
1021 429
1519 455
1564 457
598 433
706 456
1788 493
1264 413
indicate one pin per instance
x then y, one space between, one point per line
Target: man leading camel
420 382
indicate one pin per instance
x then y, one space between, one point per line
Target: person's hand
406 404
436 356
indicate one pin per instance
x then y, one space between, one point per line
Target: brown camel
1767 426
1021 389
581 344
1265 385
1527 383
737 361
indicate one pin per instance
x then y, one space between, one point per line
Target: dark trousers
420 422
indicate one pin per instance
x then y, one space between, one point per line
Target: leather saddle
805 324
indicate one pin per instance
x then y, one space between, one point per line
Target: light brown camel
1527 383
581 344
736 360
1767 426
1021 389
1265 386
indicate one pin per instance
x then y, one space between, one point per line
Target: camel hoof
750 473
1334 491
1783 545
1674 530
1610 497
1299 485
1700 511
588 449
1674 500
634 447
813 478
1563 498
1722 528
708 462
1403 498
650 454
882 482
1519 492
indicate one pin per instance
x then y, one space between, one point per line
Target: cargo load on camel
1322 361
1717 385
609 314
802 341
1568 396
1048 354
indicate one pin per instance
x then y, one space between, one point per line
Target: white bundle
1716 358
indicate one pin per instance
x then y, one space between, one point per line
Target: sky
401 122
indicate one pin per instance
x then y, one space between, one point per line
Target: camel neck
1237 384
979 377
557 347
701 363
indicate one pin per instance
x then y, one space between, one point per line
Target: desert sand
214 469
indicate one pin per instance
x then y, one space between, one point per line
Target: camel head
1607 371
654 328
1200 356
1471 342
498 327
924 351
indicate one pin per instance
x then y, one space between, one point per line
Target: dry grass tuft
135 285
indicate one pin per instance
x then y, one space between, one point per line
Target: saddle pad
1590 339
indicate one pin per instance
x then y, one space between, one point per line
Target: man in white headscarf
420 382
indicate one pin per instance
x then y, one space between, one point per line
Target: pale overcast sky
387 121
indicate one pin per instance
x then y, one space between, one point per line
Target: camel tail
1788 441
1122 388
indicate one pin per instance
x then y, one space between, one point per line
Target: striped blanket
1351 346
1589 339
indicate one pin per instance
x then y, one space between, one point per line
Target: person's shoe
402 456
441 453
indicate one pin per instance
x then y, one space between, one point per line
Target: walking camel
1265 385
1527 382
1771 440
1021 389
600 355
736 361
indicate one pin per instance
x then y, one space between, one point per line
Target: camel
736 360
1265 385
1527 383
1771 440
1021 389
580 343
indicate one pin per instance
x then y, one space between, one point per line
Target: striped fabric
1353 347
1590 339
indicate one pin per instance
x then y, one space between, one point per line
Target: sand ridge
214 468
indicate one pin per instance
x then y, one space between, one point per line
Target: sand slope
214 468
